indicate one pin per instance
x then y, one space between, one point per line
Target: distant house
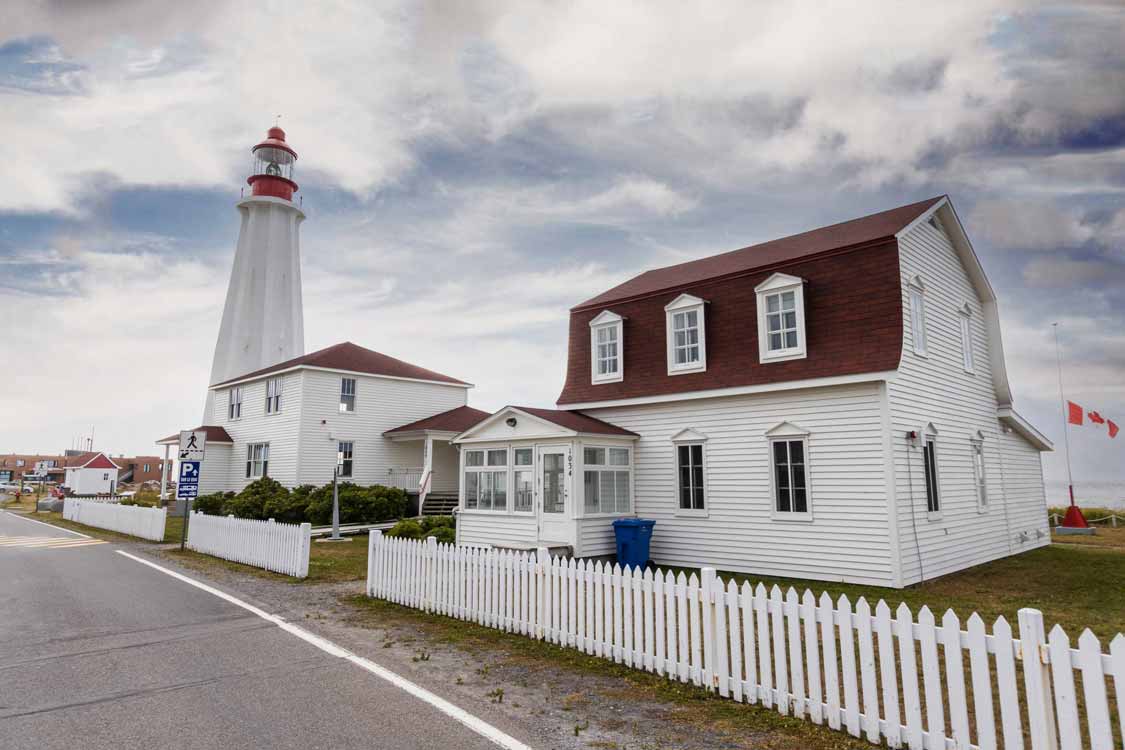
17 466
832 405
387 421
140 469
91 473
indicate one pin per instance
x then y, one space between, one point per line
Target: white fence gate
280 547
882 675
135 520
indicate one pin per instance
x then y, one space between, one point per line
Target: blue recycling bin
633 537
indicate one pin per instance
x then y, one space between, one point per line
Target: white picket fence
135 520
881 675
280 547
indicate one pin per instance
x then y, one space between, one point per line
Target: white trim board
790 385
294 368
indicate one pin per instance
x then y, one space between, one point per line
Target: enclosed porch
543 477
424 461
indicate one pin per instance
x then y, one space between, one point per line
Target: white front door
553 487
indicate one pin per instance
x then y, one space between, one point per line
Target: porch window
273 395
689 460
344 451
347 394
606 480
234 403
524 480
486 479
257 460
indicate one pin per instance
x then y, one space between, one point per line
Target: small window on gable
918 315
347 394
966 317
930 472
980 473
607 340
781 318
687 335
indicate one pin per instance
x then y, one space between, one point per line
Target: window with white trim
606 480
234 403
486 479
523 473
781 318
273 395
966 338
687 337
980 478
689 469
918 315
257 460
344 453
347 394
929 470
606 342
790 478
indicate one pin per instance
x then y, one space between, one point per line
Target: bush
444 535
211 504
252 501
372 504
408 529
430 523
292 507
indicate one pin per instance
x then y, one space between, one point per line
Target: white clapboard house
832 405
292 420
91 473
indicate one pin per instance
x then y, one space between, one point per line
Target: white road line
49 525
474 723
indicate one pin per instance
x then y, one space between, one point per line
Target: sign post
191 450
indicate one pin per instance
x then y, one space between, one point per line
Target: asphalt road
100 651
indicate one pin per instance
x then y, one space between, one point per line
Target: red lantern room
272 171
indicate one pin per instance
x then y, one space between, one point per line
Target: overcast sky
472 169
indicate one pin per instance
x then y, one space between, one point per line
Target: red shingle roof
215 434
577 421
854 233
353 358
454 420
90 460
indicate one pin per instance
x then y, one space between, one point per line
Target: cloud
1028 225
1070 273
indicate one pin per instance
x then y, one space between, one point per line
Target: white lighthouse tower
263 319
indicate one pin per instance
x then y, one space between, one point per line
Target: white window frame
274 387
980 471
607 321
607 468
345 457
252 460
487 455
917 292
685 303
930 440
345 393
234 404
528 468
789 432
966 320
775 286
690 437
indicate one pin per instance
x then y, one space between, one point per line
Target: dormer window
687 336
606 348
781 318
918 315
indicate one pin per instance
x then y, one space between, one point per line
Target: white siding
280 429
447 462
848 538
214 472
497 529
595 537
936 390
380 404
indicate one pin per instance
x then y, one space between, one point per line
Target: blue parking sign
187 486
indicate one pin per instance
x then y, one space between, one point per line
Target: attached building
832 405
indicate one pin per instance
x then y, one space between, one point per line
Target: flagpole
1066 424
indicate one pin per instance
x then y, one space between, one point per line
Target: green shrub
430 523
252 500
211 504
444 534
407 529
292 507
372 504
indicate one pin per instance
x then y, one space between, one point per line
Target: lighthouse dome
271 172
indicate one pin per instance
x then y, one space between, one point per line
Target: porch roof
453 421
215 434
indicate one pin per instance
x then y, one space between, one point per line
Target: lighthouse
263 319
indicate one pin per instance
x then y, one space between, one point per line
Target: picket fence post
1037 681
542 617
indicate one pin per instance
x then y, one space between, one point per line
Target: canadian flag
1095 417
1113 428
1073 413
